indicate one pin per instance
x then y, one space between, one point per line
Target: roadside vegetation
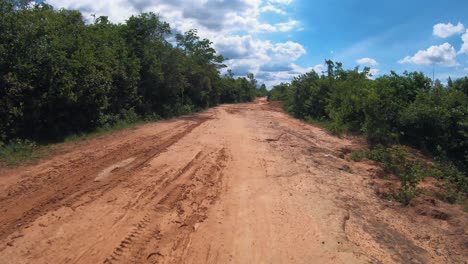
61 77
392 112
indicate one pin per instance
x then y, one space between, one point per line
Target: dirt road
236 184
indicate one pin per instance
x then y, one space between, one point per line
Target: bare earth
236 184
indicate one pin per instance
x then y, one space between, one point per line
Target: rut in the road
182 201
65 185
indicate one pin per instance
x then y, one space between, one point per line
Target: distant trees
59 75
391 109
262 91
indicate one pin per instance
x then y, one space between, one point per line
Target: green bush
390 110
359 155
456 187
60 76
396 160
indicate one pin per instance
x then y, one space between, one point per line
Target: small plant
456 183
359 155
406 194
394 160
412 174
18 151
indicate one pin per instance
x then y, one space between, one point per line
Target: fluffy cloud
283 2
286 26
447 30
234 26
373 73
444 55
287 51
274 9
273 78
247 54
367 61
319 68
464 48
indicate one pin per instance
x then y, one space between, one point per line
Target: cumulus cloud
319 68
235 47
273 78
367 61
373 73
444 55
283 2
287 51
254 55
210 15
464 48
233 26
446 30
286 26
274 9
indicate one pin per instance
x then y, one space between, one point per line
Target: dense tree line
392 109
60 75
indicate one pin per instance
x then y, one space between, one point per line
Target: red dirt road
236 184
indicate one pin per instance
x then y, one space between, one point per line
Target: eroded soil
236 184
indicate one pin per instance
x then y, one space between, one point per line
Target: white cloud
464 48
252 55
287 51
274 9
319 68
286 26
444 55
273 78
447 30
233 26
283 2
465 69
373 73
367 61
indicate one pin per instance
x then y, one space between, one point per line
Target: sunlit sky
279 39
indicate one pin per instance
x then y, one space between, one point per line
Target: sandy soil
236 184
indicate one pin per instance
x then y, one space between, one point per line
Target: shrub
17 151
395 160
393 109
456 183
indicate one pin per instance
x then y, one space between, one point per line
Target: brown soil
239 183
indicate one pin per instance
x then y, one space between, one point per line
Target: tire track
80 182
151 240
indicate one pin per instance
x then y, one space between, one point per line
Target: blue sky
279 39
346 30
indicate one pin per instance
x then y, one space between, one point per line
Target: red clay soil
239 183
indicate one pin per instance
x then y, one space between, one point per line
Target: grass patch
20 151
359 155
126 119
398 161
119 125
17 152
